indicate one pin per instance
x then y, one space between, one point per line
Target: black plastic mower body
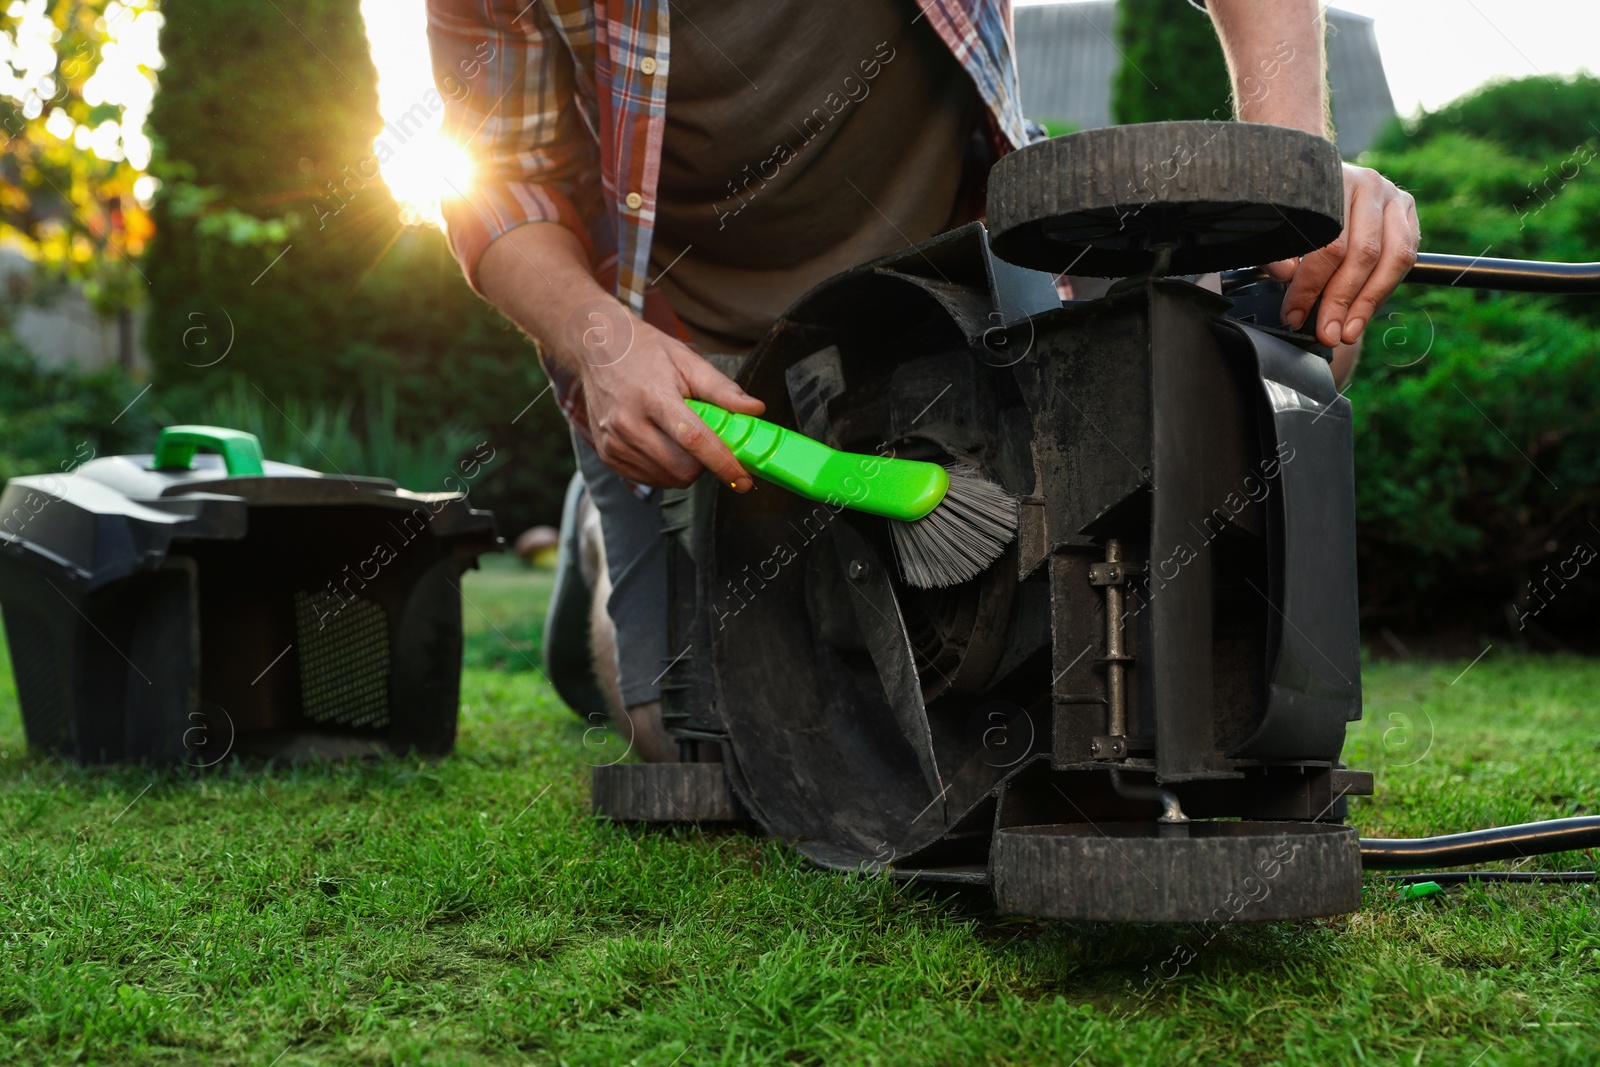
186 615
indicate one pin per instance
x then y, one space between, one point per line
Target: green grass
503 615
470 911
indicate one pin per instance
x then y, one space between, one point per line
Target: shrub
1478 414
1535 118
1479 464
1171 42
342 438
52 420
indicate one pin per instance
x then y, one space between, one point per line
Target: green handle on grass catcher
175 449
904 489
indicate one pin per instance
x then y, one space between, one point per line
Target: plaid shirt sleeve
508 81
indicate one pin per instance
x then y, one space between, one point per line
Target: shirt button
648 64
634 201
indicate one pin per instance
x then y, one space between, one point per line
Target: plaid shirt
562 105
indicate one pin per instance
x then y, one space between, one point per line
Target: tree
253 125
1172 64
69 150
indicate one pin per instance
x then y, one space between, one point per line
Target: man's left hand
1356 273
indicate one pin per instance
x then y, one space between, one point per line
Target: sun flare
428 168
419 163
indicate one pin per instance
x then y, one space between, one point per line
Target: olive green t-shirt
801 139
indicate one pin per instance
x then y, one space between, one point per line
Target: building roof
1067 58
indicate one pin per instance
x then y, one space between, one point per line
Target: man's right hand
635 377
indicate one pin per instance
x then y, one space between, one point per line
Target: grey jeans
636 560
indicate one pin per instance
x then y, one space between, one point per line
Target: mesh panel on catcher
344 660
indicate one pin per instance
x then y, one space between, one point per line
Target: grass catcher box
175 608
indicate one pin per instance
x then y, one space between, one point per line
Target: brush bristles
961 537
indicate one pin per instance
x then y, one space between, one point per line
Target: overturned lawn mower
1136 713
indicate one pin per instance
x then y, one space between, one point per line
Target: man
660 181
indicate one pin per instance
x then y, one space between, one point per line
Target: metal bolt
859 570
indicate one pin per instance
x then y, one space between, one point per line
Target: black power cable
1481 846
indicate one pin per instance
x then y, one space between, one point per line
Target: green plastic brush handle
904 489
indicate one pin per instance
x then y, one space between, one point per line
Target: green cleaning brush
950 523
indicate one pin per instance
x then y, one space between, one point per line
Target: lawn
471 911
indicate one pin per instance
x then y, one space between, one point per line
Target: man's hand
635 377
634 382
1274 51
1356 273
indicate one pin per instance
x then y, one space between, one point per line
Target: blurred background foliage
51 420
74 209
340 437
1478 413
1174 43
